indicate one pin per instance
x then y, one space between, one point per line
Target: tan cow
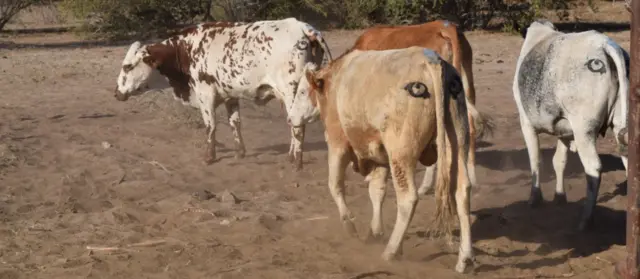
383 111
445 39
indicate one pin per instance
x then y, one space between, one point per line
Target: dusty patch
146 206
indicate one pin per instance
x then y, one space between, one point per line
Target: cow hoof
297 164
209 160
560 198
424 191
535 199
240 155
389 256
463 265
374 237
350 228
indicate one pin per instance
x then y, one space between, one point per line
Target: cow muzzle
119 96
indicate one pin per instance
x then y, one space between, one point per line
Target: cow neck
175 61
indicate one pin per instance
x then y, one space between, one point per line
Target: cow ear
315 83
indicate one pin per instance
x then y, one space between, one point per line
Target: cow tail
616 54
461 57
444 191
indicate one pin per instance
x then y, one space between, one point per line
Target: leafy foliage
10 8
149 18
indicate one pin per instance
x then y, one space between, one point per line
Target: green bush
470 14
152 18
10 8
118 19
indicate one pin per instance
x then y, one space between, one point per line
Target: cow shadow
550 226
518 159
284 148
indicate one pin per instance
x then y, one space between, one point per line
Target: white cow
574 87
215 63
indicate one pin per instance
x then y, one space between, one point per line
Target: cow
382 111
217 63
446 39
573 87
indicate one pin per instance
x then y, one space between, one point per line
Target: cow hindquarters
295 148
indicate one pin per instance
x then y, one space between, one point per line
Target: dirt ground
80 170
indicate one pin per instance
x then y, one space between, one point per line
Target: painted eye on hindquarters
302 44
596 65
417 89
455 87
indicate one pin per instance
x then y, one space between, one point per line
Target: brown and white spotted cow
219 63
445 39
383 111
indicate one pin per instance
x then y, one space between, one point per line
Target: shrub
118 19
10 8
152 18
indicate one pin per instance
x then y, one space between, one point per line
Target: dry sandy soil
80 169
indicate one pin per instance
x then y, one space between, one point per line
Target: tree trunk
207 10
4 22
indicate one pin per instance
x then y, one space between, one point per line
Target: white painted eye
417 89
596 66
302 44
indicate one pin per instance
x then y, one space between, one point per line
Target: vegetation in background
115 19
10 8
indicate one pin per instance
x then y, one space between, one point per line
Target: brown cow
411 103
445 39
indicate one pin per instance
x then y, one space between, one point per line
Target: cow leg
209 117
471 160
427 180
463 205
559 163
295 149
586 145
533 148
377 185
338 161
402 172
233 112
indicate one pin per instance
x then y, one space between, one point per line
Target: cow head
138 72
303 109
